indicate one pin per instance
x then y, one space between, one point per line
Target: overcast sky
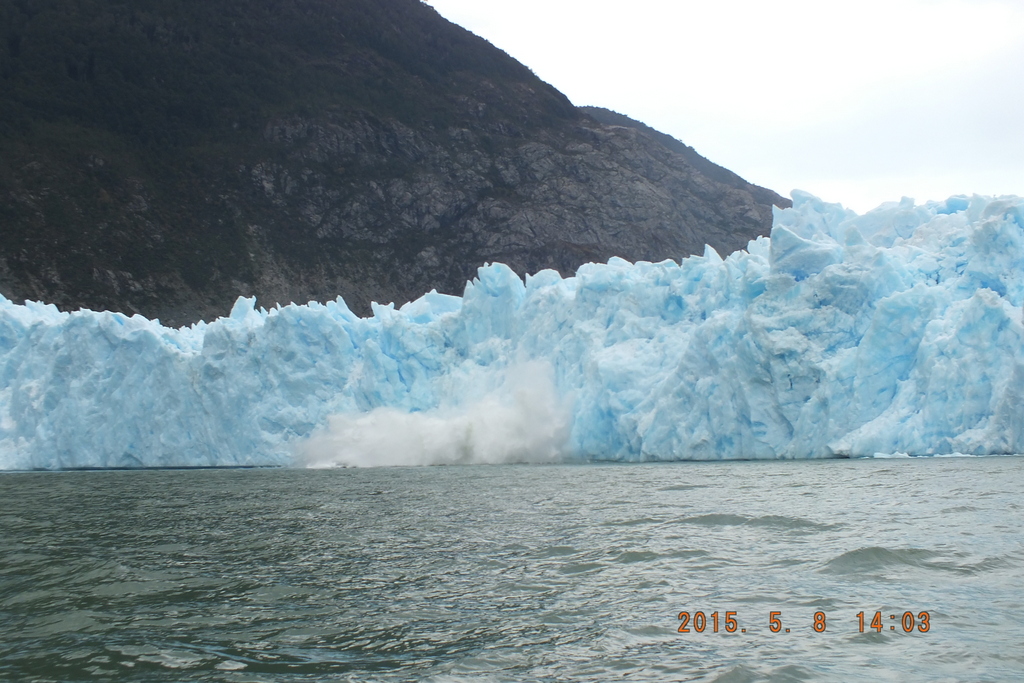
858 102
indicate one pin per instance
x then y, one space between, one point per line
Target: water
514 573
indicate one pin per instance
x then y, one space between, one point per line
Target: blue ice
896 331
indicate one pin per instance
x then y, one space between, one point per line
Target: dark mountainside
166 156
708 169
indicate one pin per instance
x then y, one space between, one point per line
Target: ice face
843 335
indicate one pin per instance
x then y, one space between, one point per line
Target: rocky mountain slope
166 157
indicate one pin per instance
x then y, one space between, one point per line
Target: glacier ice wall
896 331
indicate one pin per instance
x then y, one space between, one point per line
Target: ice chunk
899 331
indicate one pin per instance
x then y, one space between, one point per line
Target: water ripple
511 573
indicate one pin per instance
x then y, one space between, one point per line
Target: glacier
841 335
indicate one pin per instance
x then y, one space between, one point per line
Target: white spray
523 420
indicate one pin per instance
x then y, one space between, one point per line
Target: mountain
708 169
166 156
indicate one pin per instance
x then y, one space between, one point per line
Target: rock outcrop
303 150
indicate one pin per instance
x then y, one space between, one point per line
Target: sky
856 102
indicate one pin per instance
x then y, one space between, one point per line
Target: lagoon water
515 573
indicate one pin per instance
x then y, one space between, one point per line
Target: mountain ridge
166 158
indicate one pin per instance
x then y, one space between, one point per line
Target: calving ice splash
843 335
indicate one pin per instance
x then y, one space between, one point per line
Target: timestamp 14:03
699 622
